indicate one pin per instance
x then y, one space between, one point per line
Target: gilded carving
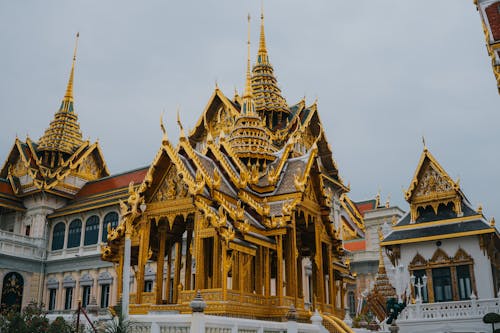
432 182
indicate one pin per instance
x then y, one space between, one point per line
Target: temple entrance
12 291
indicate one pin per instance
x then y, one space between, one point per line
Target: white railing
200 323
22 246
472 308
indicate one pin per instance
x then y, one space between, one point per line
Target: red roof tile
358 245
365 206
5 188
112 182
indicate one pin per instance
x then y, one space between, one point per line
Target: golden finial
423 142
69 90
182 134
262 55
492 222
388 201
377 199
480 209
163 129
394 220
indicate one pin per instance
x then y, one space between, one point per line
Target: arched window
74 233
58 236
91 230
110 218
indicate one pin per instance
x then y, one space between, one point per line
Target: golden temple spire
248 104
63 134
262 57
69 90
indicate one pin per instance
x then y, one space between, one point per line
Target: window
52 299
104 295
351 301
91 230
441 278
74 233
68 298
27 231
58 236
86 296
423 289
464 283
148 286
112 219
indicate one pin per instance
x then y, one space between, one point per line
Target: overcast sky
385 73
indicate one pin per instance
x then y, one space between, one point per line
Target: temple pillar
236 270
169 273
143 258
177 271
225 267
119 273
267 273
198 225
189 256
279 263
258 272
216 269
318 261
160 262
330 276
293 263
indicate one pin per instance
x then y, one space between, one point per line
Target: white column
126 277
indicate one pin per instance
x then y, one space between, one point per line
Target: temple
248 208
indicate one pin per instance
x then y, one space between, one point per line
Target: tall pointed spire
267 95
63 134
248 104
262 57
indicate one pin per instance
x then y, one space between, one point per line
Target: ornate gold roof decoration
432 186
63 134
249 138
269 102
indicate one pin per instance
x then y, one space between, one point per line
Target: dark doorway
12 291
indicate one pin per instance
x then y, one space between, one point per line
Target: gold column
198 251
160 262
279 263
293 262
258 271
318 260
216 269
143 257
169 272
267 273
330 276
225 267
189 256
119 273
454 283
236 270
430 284
177 272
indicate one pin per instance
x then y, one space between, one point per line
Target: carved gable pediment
19 169
171 188
432 182
89 169
310 193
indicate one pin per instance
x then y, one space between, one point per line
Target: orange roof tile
112 182
357 245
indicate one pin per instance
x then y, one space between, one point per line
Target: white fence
200 323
